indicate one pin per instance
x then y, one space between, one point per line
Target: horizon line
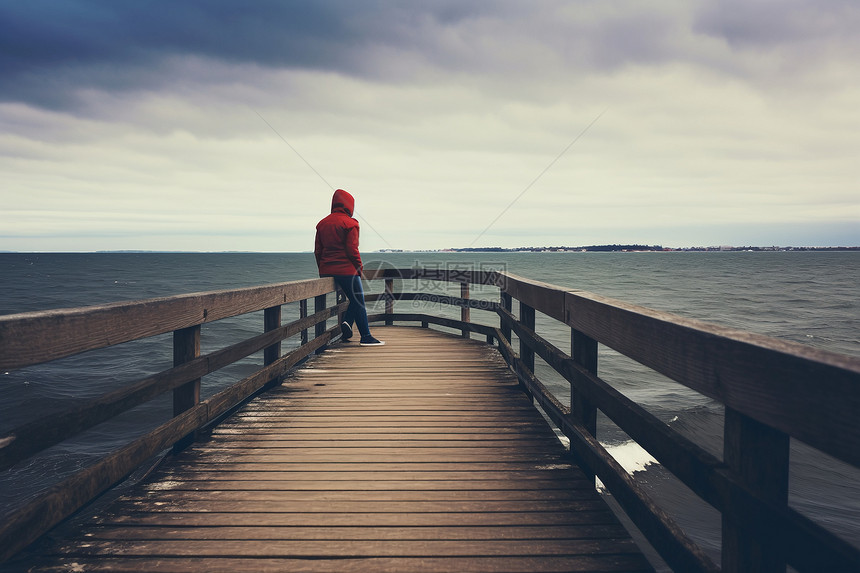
580 248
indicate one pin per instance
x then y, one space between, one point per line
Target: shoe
370 341
345 331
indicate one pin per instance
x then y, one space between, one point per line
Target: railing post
303 313
465 311
583 350
271 321
507 303
758 455
527 319
389 300
319 328
186 347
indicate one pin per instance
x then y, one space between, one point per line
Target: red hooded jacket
336 245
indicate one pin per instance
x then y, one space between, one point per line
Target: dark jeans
357 311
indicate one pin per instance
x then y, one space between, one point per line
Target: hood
342 201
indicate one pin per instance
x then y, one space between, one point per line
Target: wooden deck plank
422 455
333 548
434 564
253 533
362 506
396 441
382 470
366 486
210 519
296 496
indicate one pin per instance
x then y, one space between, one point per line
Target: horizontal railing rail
38 337
772 390
29 339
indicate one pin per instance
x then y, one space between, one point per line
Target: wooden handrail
34 338
52 506
703 473
37 337
34 436
772 390
805 392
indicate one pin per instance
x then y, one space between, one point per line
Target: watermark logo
435 281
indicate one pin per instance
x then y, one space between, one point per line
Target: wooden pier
427 454
422 455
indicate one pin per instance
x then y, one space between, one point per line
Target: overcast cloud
143 125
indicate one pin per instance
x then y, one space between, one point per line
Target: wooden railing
34 338
772 391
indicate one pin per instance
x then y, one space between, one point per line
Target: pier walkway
427 454
422 455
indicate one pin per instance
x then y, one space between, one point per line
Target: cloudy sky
224 125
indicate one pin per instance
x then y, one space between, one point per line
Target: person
336 251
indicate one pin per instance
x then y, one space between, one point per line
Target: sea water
806 297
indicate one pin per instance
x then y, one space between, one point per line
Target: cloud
718 113
55 52
53 49
785 24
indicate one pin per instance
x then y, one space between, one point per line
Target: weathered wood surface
51 506
747 490
25 440
37 337
422 455
808 393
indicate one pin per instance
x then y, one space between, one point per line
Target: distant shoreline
626 249
582 249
